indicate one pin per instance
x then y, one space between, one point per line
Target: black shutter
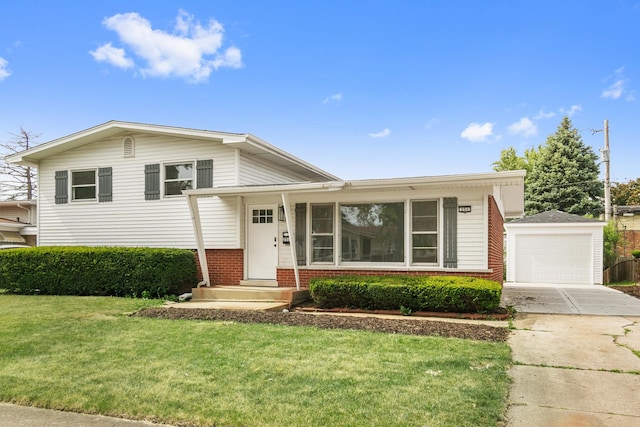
204 174
450 216
105 186
62 187
152 182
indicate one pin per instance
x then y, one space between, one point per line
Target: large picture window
322 233
424 231
177 178
372 232
83 185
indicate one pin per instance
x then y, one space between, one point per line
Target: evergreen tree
564 176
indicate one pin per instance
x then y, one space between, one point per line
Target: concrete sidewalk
575 371
27 416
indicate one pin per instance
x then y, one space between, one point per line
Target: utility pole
607 181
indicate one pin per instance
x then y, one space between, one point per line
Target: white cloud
192 51
336 97
618 88
524 127
112 55
476 132
544 115
615 90
383 134
571 111
432 122
4 71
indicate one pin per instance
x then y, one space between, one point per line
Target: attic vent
128 147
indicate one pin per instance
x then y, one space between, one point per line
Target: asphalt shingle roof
552 217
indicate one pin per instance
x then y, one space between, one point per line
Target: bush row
113 271
415 293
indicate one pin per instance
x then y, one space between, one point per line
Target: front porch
245 297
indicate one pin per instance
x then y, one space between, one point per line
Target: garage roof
553 217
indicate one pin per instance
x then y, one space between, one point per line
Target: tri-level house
253 212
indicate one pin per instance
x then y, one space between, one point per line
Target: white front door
262 242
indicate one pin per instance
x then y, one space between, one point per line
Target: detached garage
554 247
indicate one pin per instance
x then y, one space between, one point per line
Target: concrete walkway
575 371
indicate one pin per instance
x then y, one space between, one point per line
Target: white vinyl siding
255 171
130 220
472 235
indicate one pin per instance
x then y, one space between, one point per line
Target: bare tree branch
17 182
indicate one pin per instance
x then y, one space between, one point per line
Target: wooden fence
624 271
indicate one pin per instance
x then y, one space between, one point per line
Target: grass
84 354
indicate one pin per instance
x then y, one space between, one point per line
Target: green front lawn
84 354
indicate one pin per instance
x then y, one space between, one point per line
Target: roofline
483 179
33 156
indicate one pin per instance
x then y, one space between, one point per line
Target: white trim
292 238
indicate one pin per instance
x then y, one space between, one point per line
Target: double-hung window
177 178
424 231
322 233
83 185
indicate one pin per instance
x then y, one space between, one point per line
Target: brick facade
496 242
226 266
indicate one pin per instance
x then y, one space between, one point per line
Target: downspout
197 229
292 239
28 212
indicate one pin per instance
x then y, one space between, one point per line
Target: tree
610 239
17 182
509 160
564 175
626 194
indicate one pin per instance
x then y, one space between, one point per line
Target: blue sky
362 89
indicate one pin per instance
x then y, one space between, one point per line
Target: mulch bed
634 291
403 325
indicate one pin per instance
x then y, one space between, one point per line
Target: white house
255 212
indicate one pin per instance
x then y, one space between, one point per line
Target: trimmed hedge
417 293
104 271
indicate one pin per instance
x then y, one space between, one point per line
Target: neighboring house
628 223
18 222
555 247
251 209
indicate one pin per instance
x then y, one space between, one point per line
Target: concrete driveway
574 371
569 299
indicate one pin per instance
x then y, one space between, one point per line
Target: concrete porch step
259 283
249 294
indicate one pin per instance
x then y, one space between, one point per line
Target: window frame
164 179
402 232
72 186
313 235
437 233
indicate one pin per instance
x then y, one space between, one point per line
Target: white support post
292 239
197 230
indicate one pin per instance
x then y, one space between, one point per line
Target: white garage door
562 258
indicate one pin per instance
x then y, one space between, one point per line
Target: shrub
113 271
636 253
411 293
